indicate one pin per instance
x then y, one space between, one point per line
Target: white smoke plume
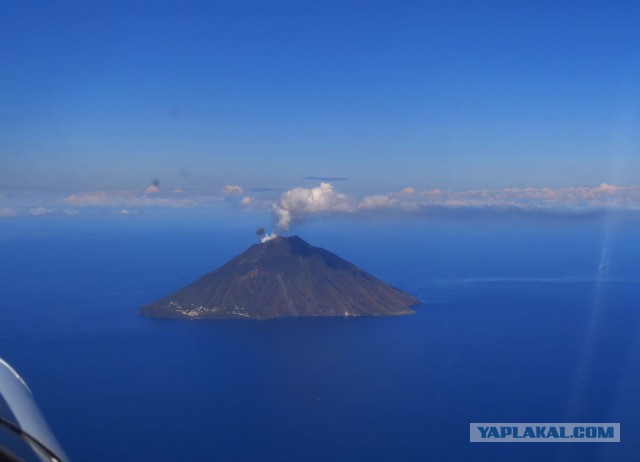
298 203
268 237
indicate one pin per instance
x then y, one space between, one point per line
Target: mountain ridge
283 277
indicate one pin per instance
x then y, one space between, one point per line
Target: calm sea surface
519 324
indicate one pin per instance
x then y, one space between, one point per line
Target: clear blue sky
103 95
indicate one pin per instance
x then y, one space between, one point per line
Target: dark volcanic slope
284 276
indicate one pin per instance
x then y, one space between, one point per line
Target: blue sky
457 96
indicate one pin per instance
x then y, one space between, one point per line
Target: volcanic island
283 277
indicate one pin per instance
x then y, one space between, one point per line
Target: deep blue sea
520 322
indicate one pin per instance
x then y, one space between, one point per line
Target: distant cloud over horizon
299 204
126 198
232 190
38 212
7 212
302 203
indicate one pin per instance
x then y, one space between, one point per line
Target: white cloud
41 211
122 212
378 201
232 190
70 212
152 189
96 198
298 203
131 199
6 212
301 203
600 197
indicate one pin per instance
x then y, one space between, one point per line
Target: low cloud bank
6 212
299 204
302 203
128 199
